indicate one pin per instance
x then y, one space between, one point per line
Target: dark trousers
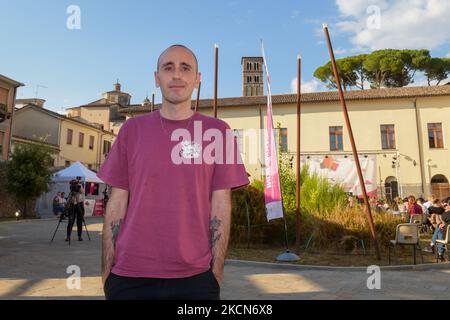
203 286
76 212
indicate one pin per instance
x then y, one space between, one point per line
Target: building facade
72 139
8 91
407 129
104 111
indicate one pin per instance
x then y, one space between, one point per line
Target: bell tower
252 76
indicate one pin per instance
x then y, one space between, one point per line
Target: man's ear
156 79
197 81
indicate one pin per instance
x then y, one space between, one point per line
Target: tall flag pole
153 101
297 208
352 141
272 188
197 102
216 63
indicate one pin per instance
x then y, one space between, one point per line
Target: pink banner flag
272 190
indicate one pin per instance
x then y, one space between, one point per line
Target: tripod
70 211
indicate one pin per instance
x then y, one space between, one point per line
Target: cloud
400 24
295 14
356 7
448 55
308 86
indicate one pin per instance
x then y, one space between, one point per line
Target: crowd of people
434 215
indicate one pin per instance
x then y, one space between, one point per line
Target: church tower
252 76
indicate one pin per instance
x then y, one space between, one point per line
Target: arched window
439 178
391 188
440 187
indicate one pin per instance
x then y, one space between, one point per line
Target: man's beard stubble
180 100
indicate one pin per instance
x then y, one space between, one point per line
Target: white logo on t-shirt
190 149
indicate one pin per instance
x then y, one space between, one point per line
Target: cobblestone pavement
32 267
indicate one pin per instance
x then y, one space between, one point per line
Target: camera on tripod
75 185
74 210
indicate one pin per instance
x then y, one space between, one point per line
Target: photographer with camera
75 207
105 199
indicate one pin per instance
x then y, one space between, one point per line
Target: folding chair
406 234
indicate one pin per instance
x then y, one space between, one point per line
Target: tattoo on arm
109 244
115 228
215 235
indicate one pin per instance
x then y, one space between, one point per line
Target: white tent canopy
60 183
76 170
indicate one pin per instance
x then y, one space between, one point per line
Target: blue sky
122 39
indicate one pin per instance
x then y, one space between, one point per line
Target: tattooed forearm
115 228
110 237
220 229
115 214
214 230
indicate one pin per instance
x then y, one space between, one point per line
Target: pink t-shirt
165 233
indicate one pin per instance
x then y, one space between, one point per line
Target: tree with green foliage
325 74
394 68
28 172
383 68
356 63
351 72
437 69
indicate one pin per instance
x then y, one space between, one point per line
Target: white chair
406 234
445 243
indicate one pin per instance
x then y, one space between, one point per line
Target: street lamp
396 166
17 214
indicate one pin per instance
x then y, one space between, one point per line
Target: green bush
325 217
28 173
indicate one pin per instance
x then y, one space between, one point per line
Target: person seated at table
443 222
413 207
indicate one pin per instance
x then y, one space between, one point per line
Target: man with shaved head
167 222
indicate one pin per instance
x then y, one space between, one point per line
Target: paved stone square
31 267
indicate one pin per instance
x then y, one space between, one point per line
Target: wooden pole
153 102
298 210
352 141
216 58
197 102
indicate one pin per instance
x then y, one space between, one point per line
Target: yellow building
8 90
406 128
72 139
104 111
